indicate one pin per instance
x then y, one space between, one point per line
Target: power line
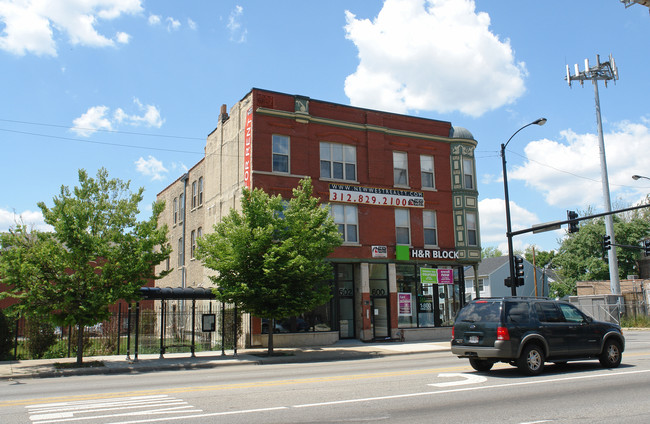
102 130
101 142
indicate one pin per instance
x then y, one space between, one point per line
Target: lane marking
467 379
382 398
86 410
181 390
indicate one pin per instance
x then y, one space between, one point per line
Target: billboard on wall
248 139
376 196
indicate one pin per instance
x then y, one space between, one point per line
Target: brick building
402 190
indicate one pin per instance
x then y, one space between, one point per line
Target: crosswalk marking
88 410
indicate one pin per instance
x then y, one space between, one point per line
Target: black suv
527 332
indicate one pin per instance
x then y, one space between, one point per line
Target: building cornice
304 118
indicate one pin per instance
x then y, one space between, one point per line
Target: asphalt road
415 388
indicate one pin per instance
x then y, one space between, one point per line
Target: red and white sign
376 196
248 136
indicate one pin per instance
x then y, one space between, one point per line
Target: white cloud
31 26
94 119
123 38
568 172
172 24
149 118
431 55
191 24
492 215
155 19
237 33
151 167
33 220
99 118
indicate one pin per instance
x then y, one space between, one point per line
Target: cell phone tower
603 71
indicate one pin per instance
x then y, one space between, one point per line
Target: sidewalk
342 350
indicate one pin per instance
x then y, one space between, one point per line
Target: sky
136 87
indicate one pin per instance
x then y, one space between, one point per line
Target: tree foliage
97 254
581 256
541 257
270 258
491 252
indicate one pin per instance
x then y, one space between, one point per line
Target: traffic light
573 224
646 247
507 282
519 270
607 243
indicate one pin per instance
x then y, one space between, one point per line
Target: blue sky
136 86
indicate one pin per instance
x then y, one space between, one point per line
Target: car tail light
452 332
502 333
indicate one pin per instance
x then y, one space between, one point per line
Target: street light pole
637 177
511 258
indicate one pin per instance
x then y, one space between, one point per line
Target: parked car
527 332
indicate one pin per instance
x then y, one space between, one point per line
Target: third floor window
338 161
280 153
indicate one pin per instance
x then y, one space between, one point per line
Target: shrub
6 337
638 321
40 337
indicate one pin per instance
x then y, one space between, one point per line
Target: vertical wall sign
248 135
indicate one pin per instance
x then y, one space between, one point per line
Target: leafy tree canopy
270 258
581 256
491 252
541 257
97 254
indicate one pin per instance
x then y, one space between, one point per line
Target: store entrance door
380 317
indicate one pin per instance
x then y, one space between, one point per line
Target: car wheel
611 356
481 364
531 361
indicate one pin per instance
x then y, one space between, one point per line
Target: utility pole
605 71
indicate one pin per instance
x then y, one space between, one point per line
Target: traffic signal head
573 224
519 270
607 242
646 247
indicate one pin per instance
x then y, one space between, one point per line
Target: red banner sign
248 136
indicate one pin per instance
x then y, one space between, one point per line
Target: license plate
473 339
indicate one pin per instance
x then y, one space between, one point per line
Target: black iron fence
167 327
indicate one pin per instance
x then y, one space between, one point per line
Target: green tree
271 258
542 258
97 254
581 256
491 252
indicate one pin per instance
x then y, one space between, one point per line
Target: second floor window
175 210
192 244
345 217
400 169
402 226
430 228
181 252
426 171
470 217
280 153
338 161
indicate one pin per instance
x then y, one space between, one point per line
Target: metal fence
612 308
165 327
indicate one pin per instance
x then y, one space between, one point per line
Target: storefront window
406 296
423 304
